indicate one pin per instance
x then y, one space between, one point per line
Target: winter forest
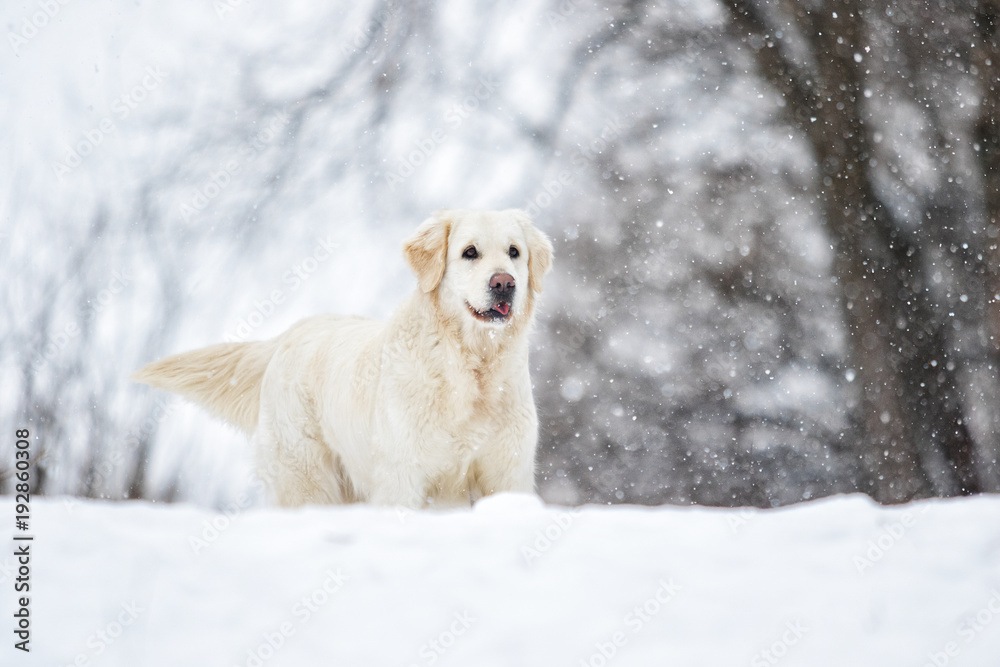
776 227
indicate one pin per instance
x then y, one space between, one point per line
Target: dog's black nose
502 283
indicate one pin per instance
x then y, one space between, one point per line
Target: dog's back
226 379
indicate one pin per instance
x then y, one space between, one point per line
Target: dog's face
485 265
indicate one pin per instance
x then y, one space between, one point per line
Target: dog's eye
514 253
470 252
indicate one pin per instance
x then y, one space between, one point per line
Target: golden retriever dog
432 408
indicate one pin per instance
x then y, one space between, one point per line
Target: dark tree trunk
987 60
897 349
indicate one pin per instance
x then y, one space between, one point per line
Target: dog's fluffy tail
225 379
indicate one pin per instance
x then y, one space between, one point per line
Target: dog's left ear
539 252
427 249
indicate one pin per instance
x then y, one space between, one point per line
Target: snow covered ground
838 582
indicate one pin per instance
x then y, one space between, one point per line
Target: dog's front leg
505 469
398 484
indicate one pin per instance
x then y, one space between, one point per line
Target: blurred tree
986 51
696 345
820 60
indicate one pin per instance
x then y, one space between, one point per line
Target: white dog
433 407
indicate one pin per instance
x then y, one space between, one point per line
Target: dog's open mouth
498 312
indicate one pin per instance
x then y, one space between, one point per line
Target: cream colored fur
225 379
432 408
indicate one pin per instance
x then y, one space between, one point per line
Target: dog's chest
456 408
478 403
475 400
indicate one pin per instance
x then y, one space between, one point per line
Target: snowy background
777 279
177 174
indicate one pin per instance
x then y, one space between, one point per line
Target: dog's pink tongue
502 308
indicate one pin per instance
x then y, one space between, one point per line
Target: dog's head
486 266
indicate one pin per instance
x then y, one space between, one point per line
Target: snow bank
835 582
